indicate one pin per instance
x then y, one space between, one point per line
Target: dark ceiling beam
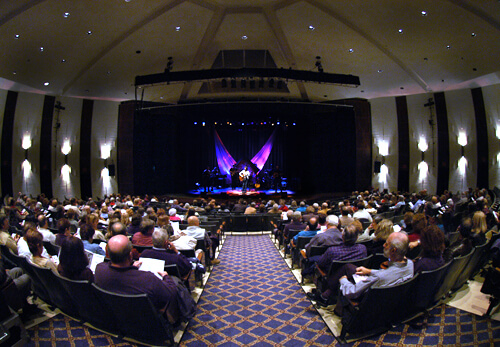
205 43
279 34
7 17
120 39
468 6
412 73
213 74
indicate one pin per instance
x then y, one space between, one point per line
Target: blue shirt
304 233
93 247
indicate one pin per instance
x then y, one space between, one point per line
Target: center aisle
252 298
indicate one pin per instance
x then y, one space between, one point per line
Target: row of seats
382 308
131 317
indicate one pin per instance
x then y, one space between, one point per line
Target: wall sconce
65 172
26 144
423 169
498 132
383 148
66 149
462 140
423 146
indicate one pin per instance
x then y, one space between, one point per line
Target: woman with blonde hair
479 228
382 232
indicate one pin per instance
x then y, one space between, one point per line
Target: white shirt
184 242
24 251
47 235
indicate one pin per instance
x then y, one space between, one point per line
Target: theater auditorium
250 173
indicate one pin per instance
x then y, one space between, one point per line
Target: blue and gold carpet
252 299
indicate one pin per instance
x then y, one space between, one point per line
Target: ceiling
97 48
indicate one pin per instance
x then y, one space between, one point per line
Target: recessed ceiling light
244 37
66 14
63 60
14 72
41 49
379 71
448 47
474 69
424 13
473 34
400 31
177 28
16 36
127 0
138 52
89 32
425 59
351 50
311 27
46 84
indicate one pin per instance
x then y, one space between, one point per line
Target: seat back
424 291
58 294
254 222
172 270
38 287
317 250
136 317
337 264
188 253
378 310
200 244
470 269
89 307
238 223
456 267
51 248
453 237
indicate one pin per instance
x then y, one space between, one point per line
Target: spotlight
223 83
271 83
318 64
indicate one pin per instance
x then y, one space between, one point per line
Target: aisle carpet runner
253 299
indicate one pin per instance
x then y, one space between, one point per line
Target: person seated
198 233
35 244
73 262
311 230
144 237
121 275
43 228
382 232
63 231
22 284
310 212
251 209
135 224
163 249
431 254
345 218
479 228
173 215
115 228
348 250
295 224
87 235
164 223
361 213
22 245
5 237
331 237
464 244
275 209
407 226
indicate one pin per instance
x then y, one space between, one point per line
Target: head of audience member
332 221
358 225
383 230
117 228
163 221
313 224
360 205
350 235
310 209
302 204
479 225
296 216
193 221
419 223
63 227
396 246
87 232
321 218
432 241
275 209
147 226
34 239
43 221
172 212
160 238
465 228
408 218
72 258
120 251
345 211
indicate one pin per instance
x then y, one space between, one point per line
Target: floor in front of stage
237 192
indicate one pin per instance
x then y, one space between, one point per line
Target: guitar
244 176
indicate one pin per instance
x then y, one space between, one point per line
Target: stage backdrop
314 144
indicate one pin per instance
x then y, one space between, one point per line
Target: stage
237 192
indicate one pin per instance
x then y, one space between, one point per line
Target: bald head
396 246
119 248
193 221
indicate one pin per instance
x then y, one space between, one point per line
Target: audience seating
141 249
301 243
51 248
136 317
456 267
12 330
470 269
378 310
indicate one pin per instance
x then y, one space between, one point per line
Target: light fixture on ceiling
46 84
318 64
177 28
14 72
424 13
170 64
351 50
400 31
89 32
244 37
311 27
379 71
448 46
66 14
17 36
63 60
473 34
41 49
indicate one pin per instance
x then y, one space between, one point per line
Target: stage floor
237 192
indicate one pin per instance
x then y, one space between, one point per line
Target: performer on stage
205 181
276 182
234 178
244 177
214 176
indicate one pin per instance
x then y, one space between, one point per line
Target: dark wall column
363 121
7 137
85 148
482 139
443 137
403 144
46 146
125 147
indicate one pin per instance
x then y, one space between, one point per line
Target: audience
35 244
144 237
73 263
63 231
87 235
432 247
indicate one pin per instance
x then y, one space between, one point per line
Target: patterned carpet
252 299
